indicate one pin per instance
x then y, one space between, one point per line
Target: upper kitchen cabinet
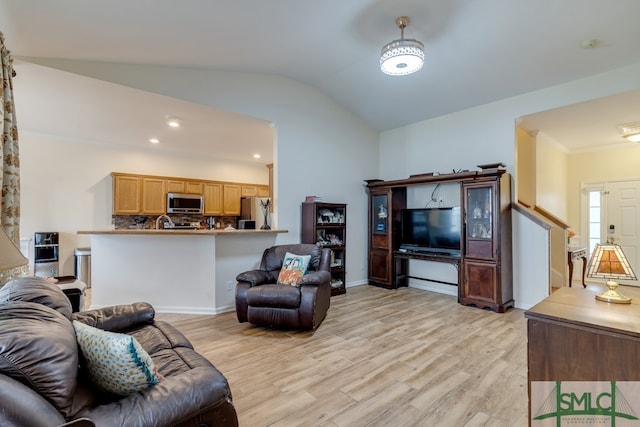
194 187
154 196
255 191
176 186
231 196
147 195
249 191
263 191
126 194
212 199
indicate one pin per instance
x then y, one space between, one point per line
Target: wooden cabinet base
499 308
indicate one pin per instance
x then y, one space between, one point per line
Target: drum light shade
402 56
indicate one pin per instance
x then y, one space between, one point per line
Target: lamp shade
11 259
609 262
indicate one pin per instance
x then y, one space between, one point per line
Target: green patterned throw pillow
117 363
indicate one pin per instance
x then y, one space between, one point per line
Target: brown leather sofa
259 300
43 381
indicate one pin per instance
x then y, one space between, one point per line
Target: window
594 211
594 219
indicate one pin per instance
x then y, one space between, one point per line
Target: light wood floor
381 358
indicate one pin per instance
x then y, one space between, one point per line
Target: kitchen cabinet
263 191
212 199
194 187
325 224
249 191
231 199
175 186
147 195
255 191
154 196
126 195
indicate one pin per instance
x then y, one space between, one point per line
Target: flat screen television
431 230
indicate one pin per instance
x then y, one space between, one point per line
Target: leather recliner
43 380
261 301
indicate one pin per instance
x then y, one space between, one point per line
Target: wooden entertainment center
484 263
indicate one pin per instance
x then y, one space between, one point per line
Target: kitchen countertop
181 231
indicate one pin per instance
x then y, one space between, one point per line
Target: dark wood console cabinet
486 276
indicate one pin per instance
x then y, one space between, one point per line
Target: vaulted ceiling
477 51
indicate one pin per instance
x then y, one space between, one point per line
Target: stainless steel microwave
185 203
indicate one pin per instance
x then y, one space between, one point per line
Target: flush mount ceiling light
630 131
402 56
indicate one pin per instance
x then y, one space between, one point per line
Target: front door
622 222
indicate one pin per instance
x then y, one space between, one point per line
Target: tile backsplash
149 221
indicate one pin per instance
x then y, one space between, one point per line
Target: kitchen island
177 271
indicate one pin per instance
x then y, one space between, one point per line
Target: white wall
552 176
66 185
486 134
321 149
598 166
324 150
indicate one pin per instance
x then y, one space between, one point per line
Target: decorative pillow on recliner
117 363
293 268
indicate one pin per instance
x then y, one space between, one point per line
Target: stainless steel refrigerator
251 209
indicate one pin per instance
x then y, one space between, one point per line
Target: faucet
171 224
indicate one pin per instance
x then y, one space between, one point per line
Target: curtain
10 165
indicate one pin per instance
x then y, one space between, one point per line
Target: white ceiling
95 111
477 51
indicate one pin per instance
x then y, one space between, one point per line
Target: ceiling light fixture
634 137
630 131
402 56
173 122
154 140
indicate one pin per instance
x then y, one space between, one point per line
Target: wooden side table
574 254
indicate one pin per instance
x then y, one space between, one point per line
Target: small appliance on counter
251 208
246 224
45 258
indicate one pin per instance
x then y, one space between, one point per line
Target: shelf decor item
265 210
609 262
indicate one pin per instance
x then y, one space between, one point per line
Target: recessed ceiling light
154 140
256 156
174 122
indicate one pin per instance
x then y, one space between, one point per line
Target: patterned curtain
10 165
